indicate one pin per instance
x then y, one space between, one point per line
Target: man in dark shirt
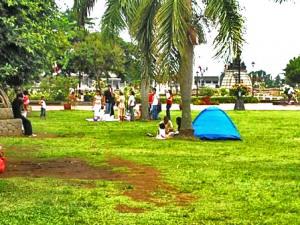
108 99
16 107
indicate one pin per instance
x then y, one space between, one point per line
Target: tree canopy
292 71
28 39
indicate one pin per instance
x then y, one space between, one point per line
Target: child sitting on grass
161 134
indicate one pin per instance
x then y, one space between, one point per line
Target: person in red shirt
150 98
169 97
25 103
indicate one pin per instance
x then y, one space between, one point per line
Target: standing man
108 99
131 105
154 111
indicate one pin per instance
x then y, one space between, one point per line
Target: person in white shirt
154 110
161 134
291 95
97 106
43 108
131 105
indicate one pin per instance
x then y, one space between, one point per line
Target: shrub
232 99
235 88
206 91
36 95
207 100
58 87
223 91
204 100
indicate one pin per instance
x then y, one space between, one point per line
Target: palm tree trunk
145 85
186 81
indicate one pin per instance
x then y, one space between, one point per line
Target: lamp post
239 103
202 75
252 78
197 83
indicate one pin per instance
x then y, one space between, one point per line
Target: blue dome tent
214 124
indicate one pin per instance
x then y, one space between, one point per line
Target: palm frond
199 22
230 34
281 1
83 9
143 28
173 24
143 23
113 20
130 8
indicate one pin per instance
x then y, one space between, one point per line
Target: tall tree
278 81
292 71
97 58
28 39
167 30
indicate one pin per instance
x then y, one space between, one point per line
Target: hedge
214 100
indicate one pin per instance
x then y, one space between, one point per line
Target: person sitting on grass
166 129
178 122
168 126
161 134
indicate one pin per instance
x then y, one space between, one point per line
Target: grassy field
254 181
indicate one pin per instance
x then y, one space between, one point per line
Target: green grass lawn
254 181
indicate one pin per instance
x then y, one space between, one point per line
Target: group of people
166 129
155 104
103 105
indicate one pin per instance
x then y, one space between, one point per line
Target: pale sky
272 36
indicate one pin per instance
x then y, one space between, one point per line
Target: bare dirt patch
141 183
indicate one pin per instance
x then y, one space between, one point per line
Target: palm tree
119 15
166 32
